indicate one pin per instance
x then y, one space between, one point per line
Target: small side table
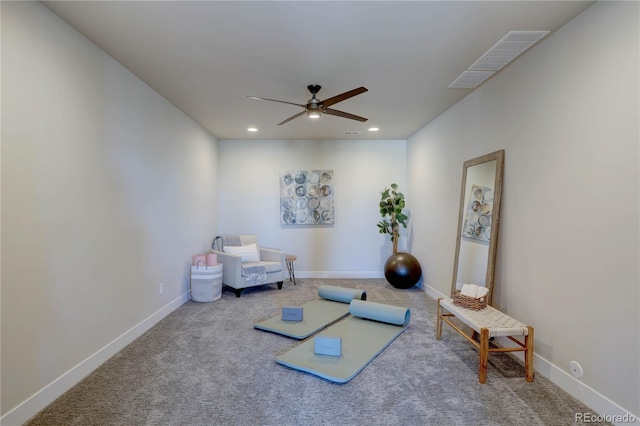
290 259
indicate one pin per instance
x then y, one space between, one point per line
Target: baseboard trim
339 274
609 410
53 390
433 292
350 275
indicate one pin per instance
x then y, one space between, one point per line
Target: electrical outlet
161 288
576 369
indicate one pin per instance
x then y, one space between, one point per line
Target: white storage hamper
206 283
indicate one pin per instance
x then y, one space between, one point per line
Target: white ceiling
206 57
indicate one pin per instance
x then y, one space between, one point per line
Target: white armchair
246 264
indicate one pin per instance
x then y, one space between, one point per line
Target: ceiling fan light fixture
314 114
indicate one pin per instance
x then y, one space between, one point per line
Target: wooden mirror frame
498 156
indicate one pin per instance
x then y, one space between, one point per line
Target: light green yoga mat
365 334
316 314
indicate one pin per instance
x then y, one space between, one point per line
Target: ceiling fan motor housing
314 105
314 89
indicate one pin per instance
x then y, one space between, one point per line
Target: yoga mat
363 338
317 314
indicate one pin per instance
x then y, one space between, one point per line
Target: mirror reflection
476 240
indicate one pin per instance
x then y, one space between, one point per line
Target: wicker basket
206 283
469 302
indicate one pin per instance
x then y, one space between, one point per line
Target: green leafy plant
391 206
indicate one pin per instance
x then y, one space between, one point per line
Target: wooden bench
487 323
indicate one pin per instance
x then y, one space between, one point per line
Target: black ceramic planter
402 270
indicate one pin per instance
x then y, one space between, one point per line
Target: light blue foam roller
380 312
340 294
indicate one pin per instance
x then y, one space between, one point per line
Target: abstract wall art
306 197
477 223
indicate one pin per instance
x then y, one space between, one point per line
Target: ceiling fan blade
292 117
275 100
344 114
343 96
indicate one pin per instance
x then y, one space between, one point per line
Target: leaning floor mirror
478 222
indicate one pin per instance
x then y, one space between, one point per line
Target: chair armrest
231 269
272 255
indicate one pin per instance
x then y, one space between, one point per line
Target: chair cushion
268 266
248 253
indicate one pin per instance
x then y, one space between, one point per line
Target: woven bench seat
488 323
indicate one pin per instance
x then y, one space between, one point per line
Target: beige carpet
205 364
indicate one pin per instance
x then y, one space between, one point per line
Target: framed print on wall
477 224
306 197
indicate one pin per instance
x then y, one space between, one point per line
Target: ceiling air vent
470 79
351 132
504 51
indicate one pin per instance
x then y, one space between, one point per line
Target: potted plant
391 207
402 270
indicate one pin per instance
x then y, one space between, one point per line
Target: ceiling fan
314 107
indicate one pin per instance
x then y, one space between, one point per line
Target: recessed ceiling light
373 129
252 129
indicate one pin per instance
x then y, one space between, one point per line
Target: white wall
567 115
107 191
249 200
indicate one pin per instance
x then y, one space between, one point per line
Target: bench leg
528 355
484 354
438 322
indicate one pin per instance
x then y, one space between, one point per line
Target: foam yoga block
325 345
366 333
318 314
292 313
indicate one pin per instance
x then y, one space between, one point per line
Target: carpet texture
205 364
